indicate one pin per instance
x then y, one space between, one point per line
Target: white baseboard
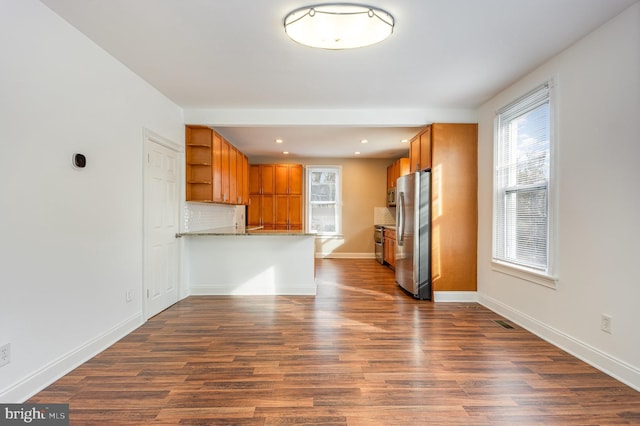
618 369
455 296
40 379
345 255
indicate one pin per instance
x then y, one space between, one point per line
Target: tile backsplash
384 215
205 216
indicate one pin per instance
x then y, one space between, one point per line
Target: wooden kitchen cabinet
420 150
389 247
233 175
262 179
212 167
198 155
451 152
288 179
238 176
454 206
261 211
217 168
282 185
295 212
288 212
400 167
225 171
242 176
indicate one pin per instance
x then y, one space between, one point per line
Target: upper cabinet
420 150
216 171
262 179
288 179
199 171
400 167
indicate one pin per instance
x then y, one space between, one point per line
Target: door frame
150 136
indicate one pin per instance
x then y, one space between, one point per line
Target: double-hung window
323 200
523 184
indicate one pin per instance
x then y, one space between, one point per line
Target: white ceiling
230 65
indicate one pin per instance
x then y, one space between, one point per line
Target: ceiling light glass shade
338 26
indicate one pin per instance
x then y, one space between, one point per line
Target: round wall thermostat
79 161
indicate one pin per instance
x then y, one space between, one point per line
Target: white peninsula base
250 264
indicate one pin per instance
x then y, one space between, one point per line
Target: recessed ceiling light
338 26
285 152
278 141
404 140
364 141
357 153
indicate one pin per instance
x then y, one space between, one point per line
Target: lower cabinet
288 212
261 211
389 252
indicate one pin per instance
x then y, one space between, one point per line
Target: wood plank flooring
361 352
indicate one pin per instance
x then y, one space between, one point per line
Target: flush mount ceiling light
338 26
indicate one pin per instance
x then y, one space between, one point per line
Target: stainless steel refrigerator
413 233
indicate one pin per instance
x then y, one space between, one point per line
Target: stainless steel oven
378 238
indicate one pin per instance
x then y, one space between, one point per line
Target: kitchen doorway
161 251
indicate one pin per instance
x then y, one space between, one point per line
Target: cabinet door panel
254 211
255 186
217 168
233 175
268 210
414 154
240 177
295 179
295 212
224 171
403 168
282 210
425 149
267 180
282 179
245 179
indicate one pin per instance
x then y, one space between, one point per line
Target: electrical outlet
5 354
605 323
129 296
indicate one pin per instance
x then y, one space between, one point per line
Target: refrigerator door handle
400 236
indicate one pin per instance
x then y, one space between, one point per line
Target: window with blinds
522 182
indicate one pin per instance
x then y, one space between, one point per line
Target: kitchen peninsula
226 261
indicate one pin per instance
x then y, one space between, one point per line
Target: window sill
525 274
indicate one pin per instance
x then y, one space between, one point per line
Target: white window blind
323 199
522 182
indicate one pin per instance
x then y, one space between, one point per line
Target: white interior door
161 223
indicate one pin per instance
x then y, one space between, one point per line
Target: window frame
547 276
338 201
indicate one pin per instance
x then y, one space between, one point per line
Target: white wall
599 173
70 240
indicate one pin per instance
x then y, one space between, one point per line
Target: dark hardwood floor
359 353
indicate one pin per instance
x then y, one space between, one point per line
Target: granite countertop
391 226
243 232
